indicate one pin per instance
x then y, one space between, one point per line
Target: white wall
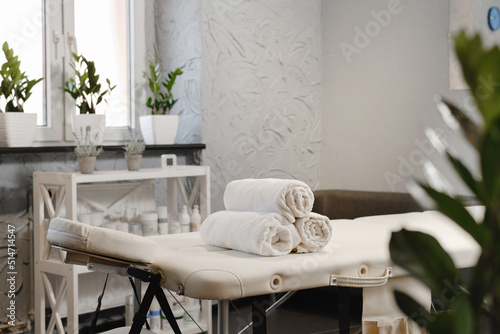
261 75
378 97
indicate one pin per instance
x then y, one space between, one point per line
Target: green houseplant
133 151
87 92
160 103
17 128
475 305
84 86
160 127
87 150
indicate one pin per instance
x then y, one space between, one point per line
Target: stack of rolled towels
268 217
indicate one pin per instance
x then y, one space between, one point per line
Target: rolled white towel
291 198
315 232
252 232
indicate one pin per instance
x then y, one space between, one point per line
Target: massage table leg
154 290
223 317
138 289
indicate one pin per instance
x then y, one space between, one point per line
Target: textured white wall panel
261 74
178 42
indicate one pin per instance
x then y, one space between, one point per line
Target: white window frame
52 25
59 106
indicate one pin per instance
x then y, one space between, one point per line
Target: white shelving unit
55 194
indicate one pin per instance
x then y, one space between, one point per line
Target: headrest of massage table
100 241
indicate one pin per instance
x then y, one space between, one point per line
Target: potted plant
85 89
87 150
473 306
133 151
160 127
16 127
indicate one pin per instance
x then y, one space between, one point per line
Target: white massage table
357 256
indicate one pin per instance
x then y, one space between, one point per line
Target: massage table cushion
358 249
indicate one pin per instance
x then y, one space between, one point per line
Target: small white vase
97 124
133 161
17 129
87 164
159 129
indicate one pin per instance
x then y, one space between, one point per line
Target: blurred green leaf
458 120
457 320
456 211
482 74
490 162
424 258
477 187
416 312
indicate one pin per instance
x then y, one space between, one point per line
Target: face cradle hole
275 282
363 270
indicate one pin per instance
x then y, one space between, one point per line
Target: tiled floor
306 312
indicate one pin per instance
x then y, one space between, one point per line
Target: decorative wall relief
261 91
178 42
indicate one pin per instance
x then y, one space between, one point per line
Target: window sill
57 149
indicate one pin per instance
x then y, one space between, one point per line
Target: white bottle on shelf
149 223
185 220
129 310
155 315
162 220
195 219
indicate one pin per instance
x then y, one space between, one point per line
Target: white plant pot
17 129
97 127
159 129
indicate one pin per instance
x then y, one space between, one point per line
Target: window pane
21 25
101 33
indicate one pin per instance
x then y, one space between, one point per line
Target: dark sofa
350 204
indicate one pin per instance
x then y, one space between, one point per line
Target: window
22 27
107 32
45 33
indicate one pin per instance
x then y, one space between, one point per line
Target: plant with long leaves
15 86
161 103
474 307
84 86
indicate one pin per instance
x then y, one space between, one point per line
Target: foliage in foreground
472 307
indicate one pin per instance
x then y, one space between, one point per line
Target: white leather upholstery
358 248
100 241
